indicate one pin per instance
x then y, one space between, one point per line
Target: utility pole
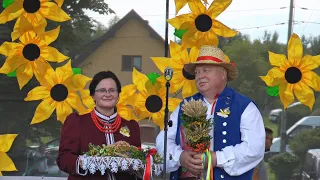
283 129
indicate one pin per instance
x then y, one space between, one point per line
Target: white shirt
235 160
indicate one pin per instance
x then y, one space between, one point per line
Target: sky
251 17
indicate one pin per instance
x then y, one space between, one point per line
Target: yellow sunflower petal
175 50
80 81
24 74
63 110
139 79
189 88
44 73
50 36
311 79
197 7
177 21
158 119
74 101
194 53
12 63
87 99
308 63
126 112
11 12
7 47
64 72
277 59
21 26
44 110
316 59
27 37
38 93
304 94
222 30
274 77
6 141
161 62
52 54
173 104
295 48
189 39
53 12
38 27
286 94
179 4
126 92
59 2
6 164
217 7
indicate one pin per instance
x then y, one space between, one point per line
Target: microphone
168 73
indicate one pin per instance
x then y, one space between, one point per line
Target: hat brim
232 70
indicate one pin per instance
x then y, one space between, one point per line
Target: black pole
166 111
166 122
166 45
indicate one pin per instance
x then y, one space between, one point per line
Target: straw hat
215 56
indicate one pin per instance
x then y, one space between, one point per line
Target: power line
307 9
240 10
258 27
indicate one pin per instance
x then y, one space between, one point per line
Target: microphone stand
166 123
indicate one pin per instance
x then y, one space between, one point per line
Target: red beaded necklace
106 127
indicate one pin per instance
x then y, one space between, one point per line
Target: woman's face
106 94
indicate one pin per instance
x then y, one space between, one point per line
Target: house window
128 62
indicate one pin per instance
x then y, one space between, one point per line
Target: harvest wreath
121 155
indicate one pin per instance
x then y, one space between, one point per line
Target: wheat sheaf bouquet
195 131
195 125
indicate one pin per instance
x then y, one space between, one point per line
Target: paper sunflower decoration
151 98
294 76
35 11
181 3
125 106
6 163
58 91
29 56
201 25
23 26
180 79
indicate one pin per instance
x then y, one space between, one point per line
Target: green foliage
304 141
284 165
80 30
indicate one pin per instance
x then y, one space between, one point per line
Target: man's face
269 138
209 77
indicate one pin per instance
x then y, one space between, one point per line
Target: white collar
104 118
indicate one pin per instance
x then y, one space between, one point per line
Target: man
260 172
238 139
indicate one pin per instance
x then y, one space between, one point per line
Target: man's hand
213 159
190 163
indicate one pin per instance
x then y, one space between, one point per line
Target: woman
80 130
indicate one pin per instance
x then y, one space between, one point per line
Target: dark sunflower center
203 23
153 103
59 92
187 75
31 6
31 52
293 75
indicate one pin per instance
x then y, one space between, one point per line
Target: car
311 167
275 115
304 124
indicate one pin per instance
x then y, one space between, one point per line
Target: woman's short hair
101 76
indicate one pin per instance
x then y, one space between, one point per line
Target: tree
77 32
